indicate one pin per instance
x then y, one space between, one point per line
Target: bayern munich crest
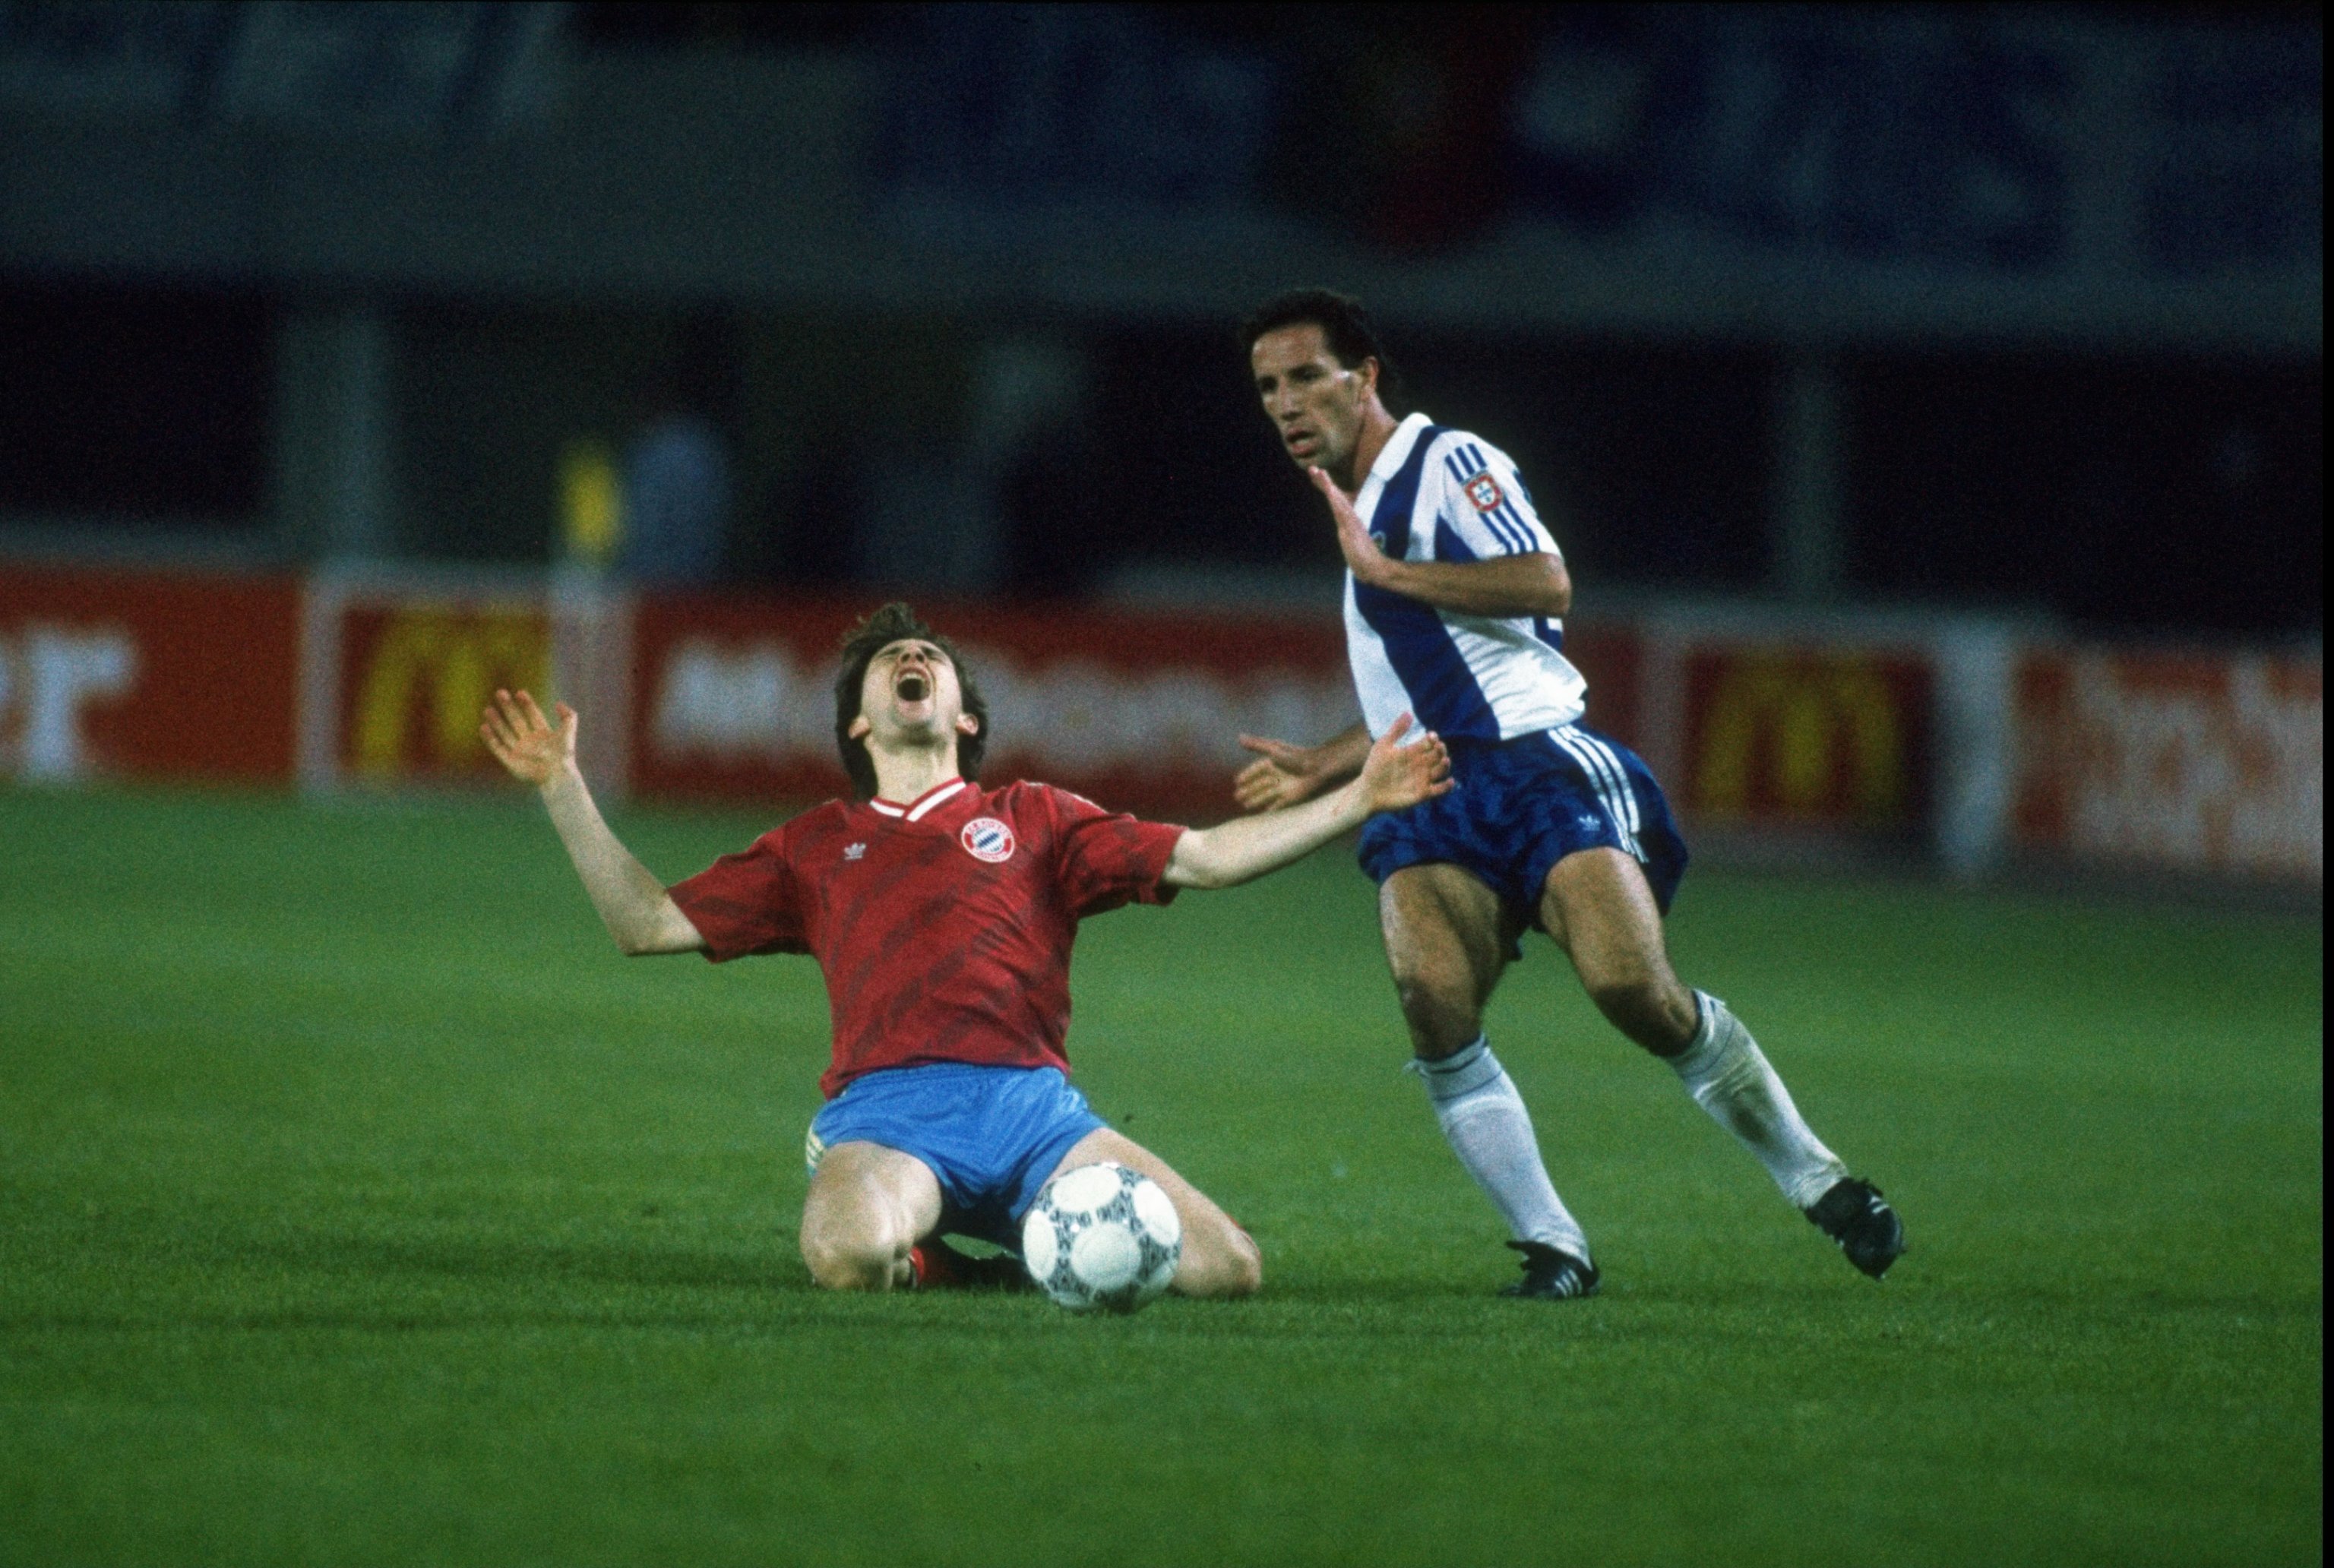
987 839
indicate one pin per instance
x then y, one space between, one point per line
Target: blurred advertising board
1965 740
1833 738
2194 762
401 664
1141 710
1776 728
108 673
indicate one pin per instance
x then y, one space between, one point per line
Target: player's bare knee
1647 1005
854 1270
1440 1009
839 1260
831 1267
1226 1265
1243 1265
1239 1278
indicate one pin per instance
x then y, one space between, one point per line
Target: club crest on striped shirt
1484 492
987 839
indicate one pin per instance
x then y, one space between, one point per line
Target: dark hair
1345 325
893 623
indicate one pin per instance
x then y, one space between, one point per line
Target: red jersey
943 927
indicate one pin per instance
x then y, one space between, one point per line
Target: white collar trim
924 803
948 791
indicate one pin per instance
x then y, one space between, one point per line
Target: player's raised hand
534 749
1282 775
1363 557
1404 767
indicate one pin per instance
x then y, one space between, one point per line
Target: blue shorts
991 1134
1523 804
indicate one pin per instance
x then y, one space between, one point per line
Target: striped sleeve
1484 509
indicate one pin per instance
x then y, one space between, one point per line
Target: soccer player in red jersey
942 915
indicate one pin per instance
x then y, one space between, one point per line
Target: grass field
361 1205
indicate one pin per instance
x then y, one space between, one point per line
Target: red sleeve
746 903
1105 859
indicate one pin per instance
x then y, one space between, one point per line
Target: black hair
895 622
1345 326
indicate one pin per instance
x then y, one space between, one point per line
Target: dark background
2144 488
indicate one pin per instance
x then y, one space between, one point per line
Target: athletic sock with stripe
1484 1118
1728 1076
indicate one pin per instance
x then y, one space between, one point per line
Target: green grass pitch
359 1205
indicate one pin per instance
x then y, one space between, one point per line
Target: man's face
911 695
1314 403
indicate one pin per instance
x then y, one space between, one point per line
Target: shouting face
910 698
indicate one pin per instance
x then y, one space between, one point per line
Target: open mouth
913 687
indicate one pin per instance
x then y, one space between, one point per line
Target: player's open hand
1404 767
1282 775
534 749
1363 557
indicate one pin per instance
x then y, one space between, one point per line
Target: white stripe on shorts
1611 782
1621 785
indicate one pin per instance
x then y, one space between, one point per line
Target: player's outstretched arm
1503 585
1284 774
1401 769
637 911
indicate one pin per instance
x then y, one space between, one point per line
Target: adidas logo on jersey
855 852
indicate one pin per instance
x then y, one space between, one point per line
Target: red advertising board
107 672
2192 763
2187 762
1141 710
1824 737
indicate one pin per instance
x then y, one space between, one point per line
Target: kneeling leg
867 1208
1220 1258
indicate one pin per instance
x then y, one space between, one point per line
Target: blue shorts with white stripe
1521 805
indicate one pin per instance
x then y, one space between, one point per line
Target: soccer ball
1102 1237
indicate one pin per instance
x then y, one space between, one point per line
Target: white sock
1490 1131
1728 1076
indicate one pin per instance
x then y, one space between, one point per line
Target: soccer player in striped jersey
942 915
1455 595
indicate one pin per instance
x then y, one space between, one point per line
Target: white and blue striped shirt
1440 495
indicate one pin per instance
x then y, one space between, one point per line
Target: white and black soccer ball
1102 1238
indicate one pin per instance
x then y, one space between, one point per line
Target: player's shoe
1551 1274
939 1266
1867 1229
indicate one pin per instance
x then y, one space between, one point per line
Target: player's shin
1728 1076
1489 1130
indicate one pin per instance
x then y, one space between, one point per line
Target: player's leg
1220 1259
867 1208
1446 943
1447 936
1598 907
